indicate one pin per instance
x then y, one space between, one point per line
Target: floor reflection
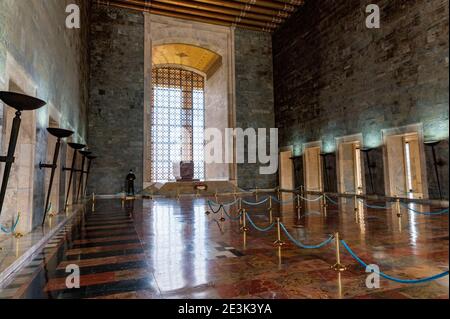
168 248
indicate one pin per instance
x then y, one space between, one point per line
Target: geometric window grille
177 122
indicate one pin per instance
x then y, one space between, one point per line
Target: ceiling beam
247 7
127 5
233 20
224 10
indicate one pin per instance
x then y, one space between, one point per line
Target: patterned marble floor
172 249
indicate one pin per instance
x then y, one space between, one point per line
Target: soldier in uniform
130 183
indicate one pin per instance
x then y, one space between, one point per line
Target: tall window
177 122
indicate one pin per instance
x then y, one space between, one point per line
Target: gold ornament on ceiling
190 56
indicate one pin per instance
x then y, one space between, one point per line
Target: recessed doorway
404 165
286 171
313 168
350 166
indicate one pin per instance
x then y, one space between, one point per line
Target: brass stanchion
278 193
278 242
93 202
240 204
244 228
398 208
216 196
324 199
338 266
222 217
256 193
270 202
355 203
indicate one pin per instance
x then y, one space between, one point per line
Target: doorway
404 165
286 172
350 167
313 169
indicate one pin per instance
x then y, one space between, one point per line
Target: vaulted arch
187 55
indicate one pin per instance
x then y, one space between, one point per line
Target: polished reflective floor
167 248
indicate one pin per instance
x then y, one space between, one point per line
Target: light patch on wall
298 149
191 56
42 117
328 145
436 130
372 139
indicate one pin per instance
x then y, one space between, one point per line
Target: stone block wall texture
116 102
334 77
33 32
254 97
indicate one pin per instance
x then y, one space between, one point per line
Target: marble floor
167 248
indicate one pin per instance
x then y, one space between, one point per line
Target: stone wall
41 57
254 97
334 77
116 101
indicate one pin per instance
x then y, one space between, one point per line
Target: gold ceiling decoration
190 56
261 15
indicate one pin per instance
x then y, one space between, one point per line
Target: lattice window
177 122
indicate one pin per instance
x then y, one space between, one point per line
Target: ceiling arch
191 56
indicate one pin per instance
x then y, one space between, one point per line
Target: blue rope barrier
404 281
312 200
256 203
224 204
282 202
212 209
331 200
244 190
231 217
13 228
440 212
299 244
374 206
265 229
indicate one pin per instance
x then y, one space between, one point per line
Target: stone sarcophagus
184 171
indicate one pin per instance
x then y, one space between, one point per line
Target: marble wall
333 77
39 56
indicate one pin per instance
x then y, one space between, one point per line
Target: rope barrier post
355 203
278 193
338 266
178 194
93 202
222 217
256 193
244 228
398 208
123 200
278 242
270 209
324 199
299 202
302 191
